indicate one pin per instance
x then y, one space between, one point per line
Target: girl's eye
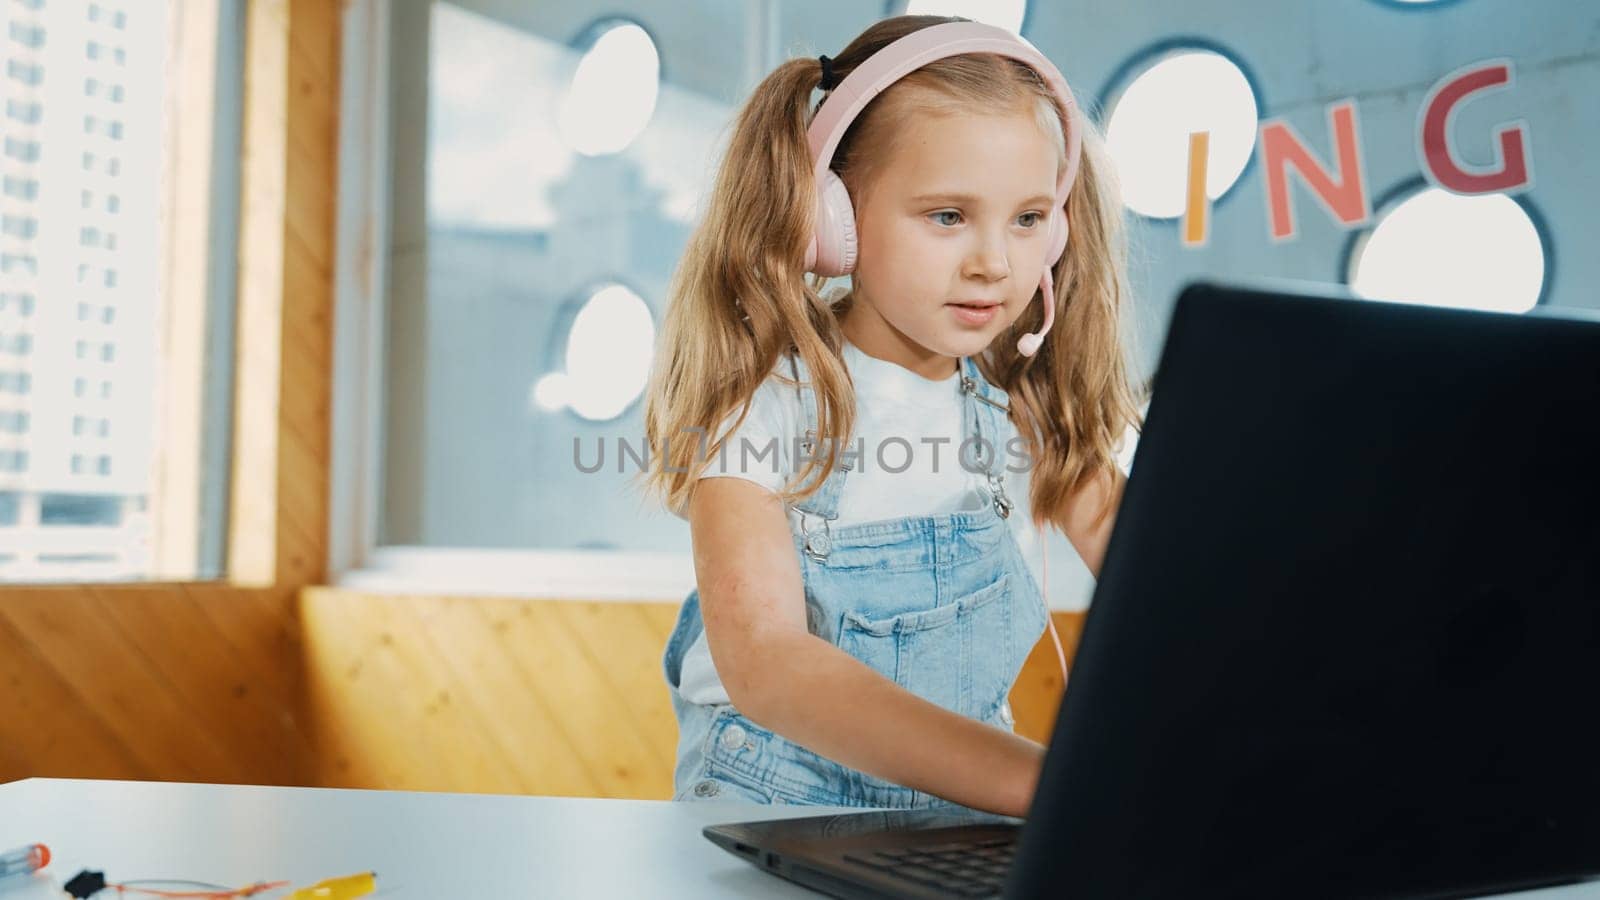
1032 217
938 217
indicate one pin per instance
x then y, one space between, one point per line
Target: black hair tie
828 82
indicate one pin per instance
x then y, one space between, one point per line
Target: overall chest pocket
958 654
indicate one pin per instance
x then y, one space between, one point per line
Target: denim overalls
942 605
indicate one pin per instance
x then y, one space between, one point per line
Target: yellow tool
338 888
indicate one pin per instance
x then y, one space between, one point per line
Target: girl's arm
1087 536
784 678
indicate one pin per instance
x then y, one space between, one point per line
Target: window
22 150
113 203
13 382
21 188
30 74
13 461
27 35
108 352
115 130
113 166
79 509
16 344
19 226
19 264
600 116
116 93
111 278
92 49
25 111
21 303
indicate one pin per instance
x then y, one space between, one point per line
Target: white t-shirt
903 421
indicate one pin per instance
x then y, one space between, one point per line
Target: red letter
1345 200
1510 171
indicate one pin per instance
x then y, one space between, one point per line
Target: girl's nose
989 260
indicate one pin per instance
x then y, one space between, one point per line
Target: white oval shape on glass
608 353
1150 122
1436 248
550 392
613 92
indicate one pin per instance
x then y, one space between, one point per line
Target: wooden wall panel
46 728
490 694
140 683
342 689
505 695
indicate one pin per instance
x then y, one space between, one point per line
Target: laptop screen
1346 639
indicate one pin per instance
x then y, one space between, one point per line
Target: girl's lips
972 315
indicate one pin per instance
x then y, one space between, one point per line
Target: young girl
862 606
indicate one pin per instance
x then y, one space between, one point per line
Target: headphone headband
918 49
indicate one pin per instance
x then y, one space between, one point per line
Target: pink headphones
832 250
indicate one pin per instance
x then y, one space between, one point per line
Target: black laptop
1345 642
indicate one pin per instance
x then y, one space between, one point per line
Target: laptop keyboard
964 869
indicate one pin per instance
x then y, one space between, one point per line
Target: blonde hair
740 298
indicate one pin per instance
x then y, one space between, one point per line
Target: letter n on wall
1343 194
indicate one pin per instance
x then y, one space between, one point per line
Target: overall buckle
817 543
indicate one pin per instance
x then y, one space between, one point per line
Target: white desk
422 845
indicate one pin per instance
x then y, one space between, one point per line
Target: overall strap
987 412
820 509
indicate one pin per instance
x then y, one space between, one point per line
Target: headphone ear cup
833 246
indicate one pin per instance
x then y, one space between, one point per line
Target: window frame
355 558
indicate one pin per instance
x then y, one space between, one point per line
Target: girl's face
954 219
